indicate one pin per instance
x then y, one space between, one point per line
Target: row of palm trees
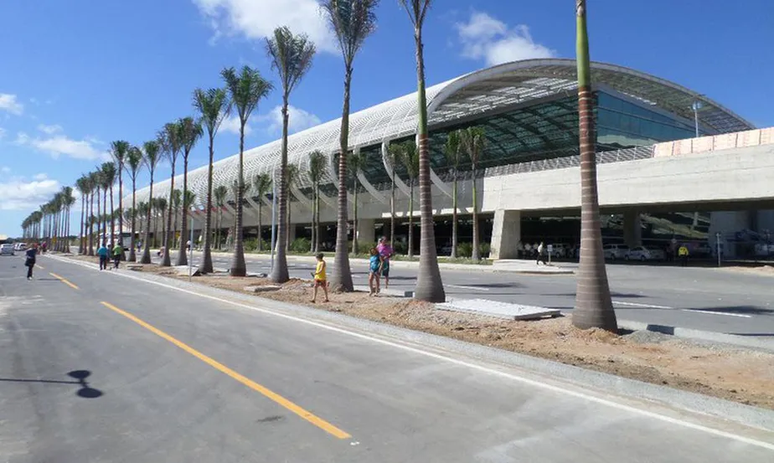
291 55
52 221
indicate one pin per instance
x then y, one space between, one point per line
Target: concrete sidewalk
498 266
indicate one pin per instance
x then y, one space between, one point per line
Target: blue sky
79 74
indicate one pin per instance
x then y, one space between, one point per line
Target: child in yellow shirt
320 279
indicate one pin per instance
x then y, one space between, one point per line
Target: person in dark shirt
30 259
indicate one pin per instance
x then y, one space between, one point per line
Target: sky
76 75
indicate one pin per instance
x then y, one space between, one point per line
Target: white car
7 250
20 247
642 253
615 251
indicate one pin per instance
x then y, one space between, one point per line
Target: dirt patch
767 270
730 373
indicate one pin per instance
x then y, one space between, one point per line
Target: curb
711 336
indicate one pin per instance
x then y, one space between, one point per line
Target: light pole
696 107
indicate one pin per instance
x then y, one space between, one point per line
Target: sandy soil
764 270
727 372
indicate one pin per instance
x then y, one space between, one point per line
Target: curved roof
463 97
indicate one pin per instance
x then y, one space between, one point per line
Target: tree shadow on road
85 391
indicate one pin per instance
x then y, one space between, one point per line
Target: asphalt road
104 367
705 299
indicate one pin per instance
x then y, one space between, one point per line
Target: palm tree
188 201
391 156
454 156
142 212
190 132
245 90
409 156
96 182
177 199
170 143
163 208
82 184
220 193
352 22
108 180
133 162
429 284
291 56
151 159
356 162
67 201
262 185
593 305
213 108
317 164
473 141
119 149
292 173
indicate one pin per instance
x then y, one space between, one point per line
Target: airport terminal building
658 181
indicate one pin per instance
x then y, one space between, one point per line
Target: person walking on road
683 254
541 254
118 252
385 252
30 257
103 254
320 278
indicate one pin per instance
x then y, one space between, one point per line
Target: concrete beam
506 235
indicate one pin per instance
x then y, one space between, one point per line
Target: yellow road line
308 416
64 280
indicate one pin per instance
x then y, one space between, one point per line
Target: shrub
465 249
484 249
400 247
251 245
301 245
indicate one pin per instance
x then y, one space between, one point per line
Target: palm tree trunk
238 265
220 224
593 305
132 253
166 261
354 222
81 234
91 221
341 275
392 202
454 216
411 221
182 255
206 264
476 254
103 237
279 273
314 210
318 229
429 284
146 256
120 207
112 219
287 236
260 224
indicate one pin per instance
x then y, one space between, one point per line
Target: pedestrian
320 279
103 254
541 254
118 252
683 254
375 272
30 257
386 252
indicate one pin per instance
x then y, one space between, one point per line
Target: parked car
7 250
20 247
702 250
560 250
615 251
643 253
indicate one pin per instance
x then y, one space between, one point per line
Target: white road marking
473 366
472 288
712 312
637 304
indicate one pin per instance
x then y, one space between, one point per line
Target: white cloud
40 177
59 144
487 38
257 19
5 170
18 194
298 119
2 133
8 103
50 129
231 125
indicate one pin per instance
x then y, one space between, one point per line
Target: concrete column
366 231
506 234
632 229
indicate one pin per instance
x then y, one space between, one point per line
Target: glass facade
544 130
